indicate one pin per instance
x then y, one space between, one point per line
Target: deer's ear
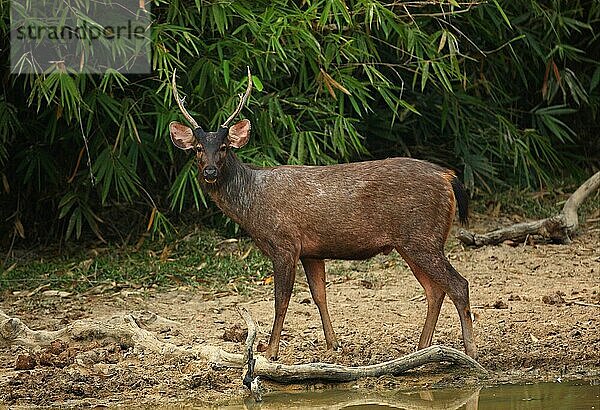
182 135
239 134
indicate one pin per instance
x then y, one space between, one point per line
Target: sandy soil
537 320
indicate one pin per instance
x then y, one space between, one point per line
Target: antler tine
243 99
180 104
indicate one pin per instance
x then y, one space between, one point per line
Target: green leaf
424 74
226 71
502 13
595 79
257 83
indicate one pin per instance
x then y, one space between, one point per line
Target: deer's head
211 148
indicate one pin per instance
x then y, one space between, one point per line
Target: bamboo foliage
505 92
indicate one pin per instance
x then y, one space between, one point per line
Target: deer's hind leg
439 277
435 297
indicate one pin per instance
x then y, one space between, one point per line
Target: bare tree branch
558 228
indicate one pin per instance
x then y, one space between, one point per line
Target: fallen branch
250 381
576 302
122 329
126 330
558 228
339 373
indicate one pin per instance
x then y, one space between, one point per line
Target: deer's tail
462 200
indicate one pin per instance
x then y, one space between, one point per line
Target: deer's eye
223 148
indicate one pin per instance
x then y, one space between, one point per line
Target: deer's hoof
335 346
271 356
268 351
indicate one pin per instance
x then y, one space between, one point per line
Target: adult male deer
347 211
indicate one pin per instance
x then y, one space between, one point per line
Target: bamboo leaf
257 83
502 13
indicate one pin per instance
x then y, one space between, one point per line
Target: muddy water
574 395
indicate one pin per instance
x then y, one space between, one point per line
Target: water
573 395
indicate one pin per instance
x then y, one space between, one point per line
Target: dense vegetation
506 92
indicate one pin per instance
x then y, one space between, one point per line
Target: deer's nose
210 174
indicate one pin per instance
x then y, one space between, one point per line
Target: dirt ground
536 307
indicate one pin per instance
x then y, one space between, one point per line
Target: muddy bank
537 320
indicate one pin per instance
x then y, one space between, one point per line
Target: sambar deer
346 211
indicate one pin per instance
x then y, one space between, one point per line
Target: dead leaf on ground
235 333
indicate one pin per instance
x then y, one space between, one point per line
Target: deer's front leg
315 275
284 273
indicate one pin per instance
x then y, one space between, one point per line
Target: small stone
555 299
24 362
367 284
500 304
45 358
57 347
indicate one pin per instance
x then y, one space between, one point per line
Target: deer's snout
210 174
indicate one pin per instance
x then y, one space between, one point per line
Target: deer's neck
234 191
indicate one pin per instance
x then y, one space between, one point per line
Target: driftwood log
558 228
127 331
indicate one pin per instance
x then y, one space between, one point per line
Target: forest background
504 92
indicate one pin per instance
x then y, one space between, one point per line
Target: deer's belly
343 250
